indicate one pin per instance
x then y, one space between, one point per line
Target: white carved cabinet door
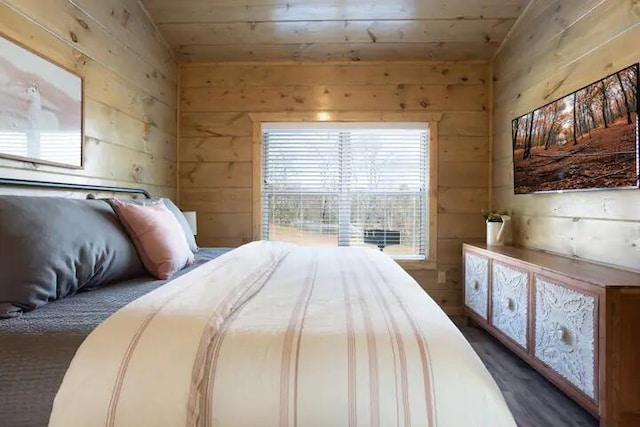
565 331
476 283
510 302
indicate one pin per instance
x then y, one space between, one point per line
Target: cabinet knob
476 285
560 334
506 303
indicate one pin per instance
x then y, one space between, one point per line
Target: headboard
10 182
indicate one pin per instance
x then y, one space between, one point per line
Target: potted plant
496 226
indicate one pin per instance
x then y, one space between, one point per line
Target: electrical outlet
442 276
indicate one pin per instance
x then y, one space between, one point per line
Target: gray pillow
51 247
179 216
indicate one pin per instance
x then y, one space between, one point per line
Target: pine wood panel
226 225
462 200
502 177
107 124
620 238
336 98
536 25
217 200
467 226
534 232
464 148
567 79
450 51
601 24
582 237
216 173
303 74
220 149
105 159
465 123
618 205
464 174
129 90
295 10
582 43
330 30
129 22
110 89
221 124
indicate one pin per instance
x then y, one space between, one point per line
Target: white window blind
347 185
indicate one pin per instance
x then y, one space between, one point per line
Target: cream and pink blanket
272 334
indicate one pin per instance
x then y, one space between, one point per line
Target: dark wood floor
533 400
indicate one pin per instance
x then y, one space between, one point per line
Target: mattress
36 348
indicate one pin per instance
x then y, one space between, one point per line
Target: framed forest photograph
585 140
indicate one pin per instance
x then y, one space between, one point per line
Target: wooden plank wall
215 154
130 81
557 47
329 30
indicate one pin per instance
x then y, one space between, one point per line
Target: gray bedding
37 347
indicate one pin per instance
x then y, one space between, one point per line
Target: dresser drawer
510 302
565 333
476 283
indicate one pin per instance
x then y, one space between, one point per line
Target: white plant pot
493 229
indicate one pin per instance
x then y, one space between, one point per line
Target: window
347 184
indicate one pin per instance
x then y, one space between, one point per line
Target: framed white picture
41 109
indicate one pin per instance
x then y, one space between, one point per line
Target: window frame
431 119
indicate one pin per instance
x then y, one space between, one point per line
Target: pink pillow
157 236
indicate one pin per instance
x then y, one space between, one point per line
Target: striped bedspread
271 334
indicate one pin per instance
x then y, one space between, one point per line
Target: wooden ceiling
334 30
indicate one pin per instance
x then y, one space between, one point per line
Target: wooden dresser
577 323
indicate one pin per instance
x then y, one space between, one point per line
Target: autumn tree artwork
586 140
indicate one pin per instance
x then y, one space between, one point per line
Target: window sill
418 265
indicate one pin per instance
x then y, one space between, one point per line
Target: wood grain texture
326 30
462 200
130 80
129 22
311 52
624 394
332 32
216 148
211 149
336 98
204 11
305 74
568 44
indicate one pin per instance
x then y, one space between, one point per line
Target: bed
265 334
36 348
